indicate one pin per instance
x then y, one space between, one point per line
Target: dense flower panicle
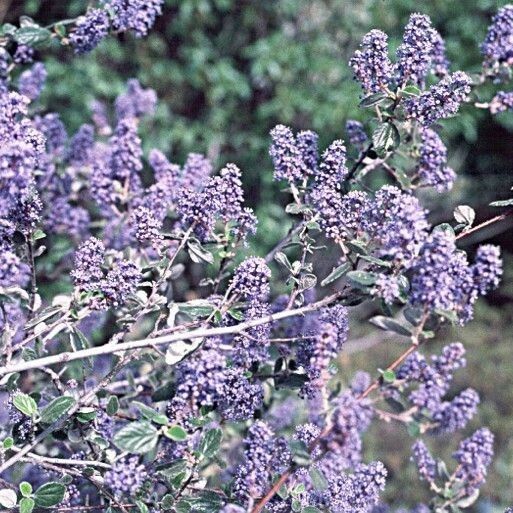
23 54
146 226
432 165
474 456
338 317
307 433
287 156
32 81
121 281
263 454
100 117
387 287
62 217
136 15
426 465
356 134
125 159
196 170
136 101
126 476
455 414
497 47
441 101
239 398
414 55
442 278
332 169
501 102
358 492
81 146
88 264
360 382
307 143
52 127
253 348
161 166
251 278
371 65
227 188
451 358
487 268
90 30
397 222
12 270
439 61
246 224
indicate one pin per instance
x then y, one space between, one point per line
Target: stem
166 339
493 220
33 283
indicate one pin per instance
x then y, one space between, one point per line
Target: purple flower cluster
332 169
357 492
432 165
81 146
136 101
136 15
264 453
286 155
251 278
371 65
501 102
387 287
126 476
356 134
443 280
114 286
90 30
414 54
441 101
474 456
32 81
147 227
426 465
497 47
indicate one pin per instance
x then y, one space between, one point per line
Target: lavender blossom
432 165
454 415
307 143
487 268
136 15
497 47
356 134
90 30
136 101
125 160
287 157
24 54
501 102
307 433
54 131
121 281
239 398
414 54
439 61
81 145
32 81
371 65
126 476
387 287
251 278
332 169
474 456
146 226
88 264
426 465
196 170
441 101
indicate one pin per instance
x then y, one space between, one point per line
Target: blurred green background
227 71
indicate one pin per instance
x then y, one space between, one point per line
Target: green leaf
27 505
142 507
411 90
465 215
196 308
137 437
385 138
25 404
56 409
210 443
318 480
176 433
413 429
388 376
86 414
199 254
388 324
25 489
502 203
38 234
373 99
8 498
203 502
361 278
282 259
178 350
151 414
466 502
311 509
112 405
8 442
32 35
49 495
336 273
176 473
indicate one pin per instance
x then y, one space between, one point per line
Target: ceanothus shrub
149 362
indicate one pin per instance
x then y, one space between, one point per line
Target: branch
493 220
166 339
